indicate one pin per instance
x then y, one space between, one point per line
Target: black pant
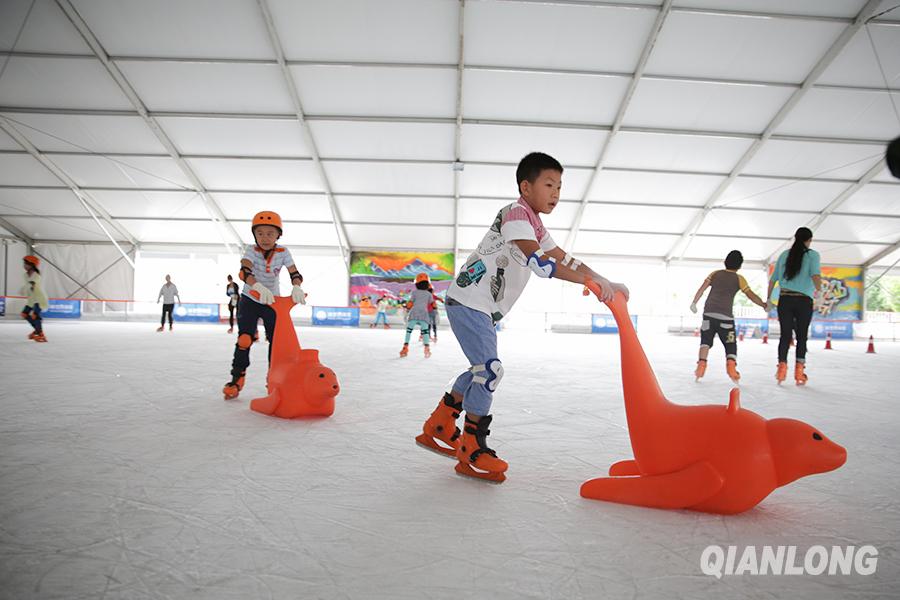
167 308
231 308
36 320
724 329
794 315
249 314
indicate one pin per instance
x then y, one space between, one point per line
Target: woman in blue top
798 275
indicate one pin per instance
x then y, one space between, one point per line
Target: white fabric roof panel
500 182
857 64
296 207
814 159
395 236
390 178
296 234
888 260
702 106
831 8
151 205
39 202
236 137
334 30
46 30
432 211
637 218
874 198
754 223
845 254
479 213
570 36
862 229
257 174
844 114
87 133
348 139
741 47
376 91
760 192
205 87
172 28
627 244
132 171
198 232
718 247
653 188
542 97
54 228
507 143
22 169
60 83
7 143
676 152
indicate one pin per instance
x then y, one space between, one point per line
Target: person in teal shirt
798 274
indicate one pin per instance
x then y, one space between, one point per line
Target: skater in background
234 294
718 313
433 314
381 312
418 314
36 300
516 245
168 292
798 274
260 267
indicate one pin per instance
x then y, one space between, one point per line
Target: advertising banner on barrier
335 316
63 309
839 330
204 313
2 307
607 324
752 327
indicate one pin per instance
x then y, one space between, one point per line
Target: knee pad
488 374
244 342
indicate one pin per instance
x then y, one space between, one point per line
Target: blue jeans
380 317
478 339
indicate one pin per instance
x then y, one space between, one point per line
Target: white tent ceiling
687 128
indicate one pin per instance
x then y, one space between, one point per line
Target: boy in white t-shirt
516 245
260 267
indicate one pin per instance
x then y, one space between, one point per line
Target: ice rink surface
123 473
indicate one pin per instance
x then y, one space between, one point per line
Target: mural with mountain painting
392 275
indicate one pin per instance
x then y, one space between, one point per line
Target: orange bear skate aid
708 458
298 384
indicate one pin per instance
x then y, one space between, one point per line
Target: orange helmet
32 260
267 217
422 277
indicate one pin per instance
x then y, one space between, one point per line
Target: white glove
264 294
298 295
694 307
769 306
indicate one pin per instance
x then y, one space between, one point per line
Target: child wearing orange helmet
37 300
418 303
260 267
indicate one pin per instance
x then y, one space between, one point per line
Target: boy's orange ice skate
475 458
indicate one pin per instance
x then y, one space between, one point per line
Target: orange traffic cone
871 348
741 336
765 338
696 332
828 341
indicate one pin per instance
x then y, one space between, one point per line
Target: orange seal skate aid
708 458
298 384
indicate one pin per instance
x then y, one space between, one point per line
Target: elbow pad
245 273
544 266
